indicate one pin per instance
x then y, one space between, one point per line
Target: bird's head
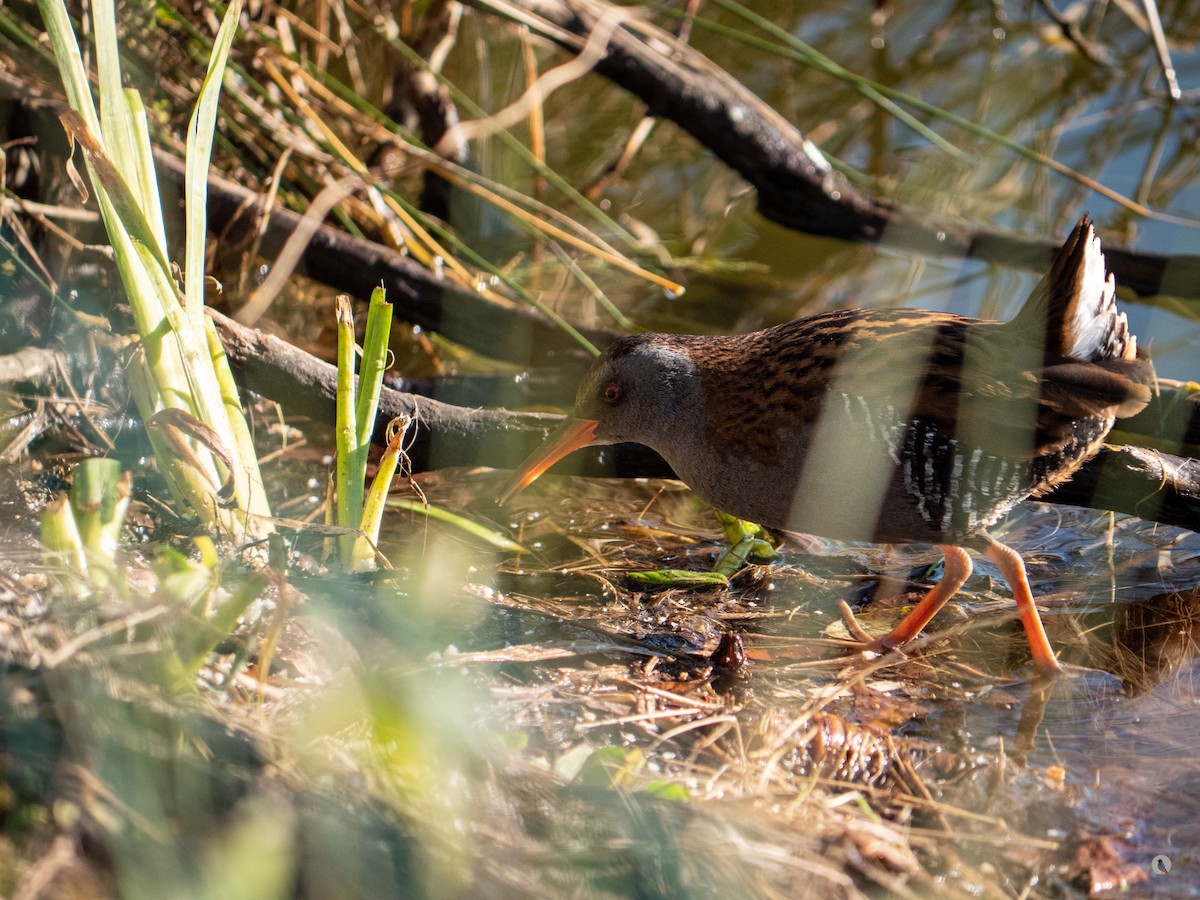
637 390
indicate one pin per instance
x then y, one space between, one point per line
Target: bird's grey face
638 390
644 388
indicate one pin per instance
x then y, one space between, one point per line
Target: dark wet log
796 187
1171 422
546 387
445 436
356 267
1133 480
1145 483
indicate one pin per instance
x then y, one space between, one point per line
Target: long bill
570 435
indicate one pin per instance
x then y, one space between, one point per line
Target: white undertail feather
1096 330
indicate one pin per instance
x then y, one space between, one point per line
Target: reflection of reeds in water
1154 638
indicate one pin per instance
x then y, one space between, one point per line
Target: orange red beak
571 435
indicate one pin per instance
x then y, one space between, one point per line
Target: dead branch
445 435
356 267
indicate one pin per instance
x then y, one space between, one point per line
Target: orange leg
955 573
1012 567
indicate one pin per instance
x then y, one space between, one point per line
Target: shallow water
570 654
1107 750
998 65
1114 742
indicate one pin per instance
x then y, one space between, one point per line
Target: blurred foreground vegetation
194 711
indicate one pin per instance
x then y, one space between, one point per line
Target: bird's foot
860 641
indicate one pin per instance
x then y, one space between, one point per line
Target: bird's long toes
860 641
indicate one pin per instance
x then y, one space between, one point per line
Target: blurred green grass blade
100 498
194 643
491 536
374 362
363 558
61 541
350 470
201 130
668 790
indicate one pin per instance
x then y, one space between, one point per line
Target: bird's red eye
612 393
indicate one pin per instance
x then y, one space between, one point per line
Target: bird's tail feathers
1074 306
